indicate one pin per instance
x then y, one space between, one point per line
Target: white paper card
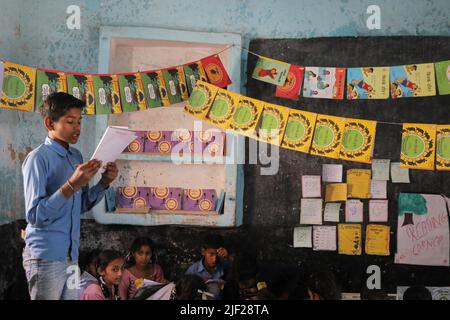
332 172
311 187
311 211
331 212
378 210
378 189
399 175
324 238
353 211
380 169
302 237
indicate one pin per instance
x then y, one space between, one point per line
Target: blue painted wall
35 33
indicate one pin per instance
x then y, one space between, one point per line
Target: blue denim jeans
48 280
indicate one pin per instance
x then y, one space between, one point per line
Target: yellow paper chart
349 239
358 183
358 141
377 239
299 130
328 136
418 146
336 192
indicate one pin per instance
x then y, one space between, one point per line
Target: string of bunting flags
424 146
293 82
25 88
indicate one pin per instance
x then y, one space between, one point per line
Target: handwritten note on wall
422 230
311 187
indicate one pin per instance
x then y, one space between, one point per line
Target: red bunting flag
292 85
215 71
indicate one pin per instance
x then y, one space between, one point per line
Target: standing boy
56 193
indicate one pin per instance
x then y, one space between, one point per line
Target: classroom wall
35 33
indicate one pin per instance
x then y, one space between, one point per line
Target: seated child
141 266
214 266
89 267
109 268
322 286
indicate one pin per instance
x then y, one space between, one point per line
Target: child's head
91 262
188 286
322 286
142 252
62 116
210 244
110 266
418 292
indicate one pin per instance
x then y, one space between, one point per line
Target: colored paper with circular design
201 99
328 136
443 147
358 140
299 130
272 124
223 108
18 87
418 146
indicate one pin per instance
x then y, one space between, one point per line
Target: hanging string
154 66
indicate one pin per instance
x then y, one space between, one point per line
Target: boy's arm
90 197
41 209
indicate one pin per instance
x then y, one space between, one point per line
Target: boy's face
67 128
209 257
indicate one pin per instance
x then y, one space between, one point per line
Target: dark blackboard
273 202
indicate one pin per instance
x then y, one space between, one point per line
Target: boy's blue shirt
53 230
199 269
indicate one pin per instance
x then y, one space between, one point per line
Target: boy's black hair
212 241
324 284
58 103
417 293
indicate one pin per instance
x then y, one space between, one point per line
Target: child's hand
222 253
110 174
84 172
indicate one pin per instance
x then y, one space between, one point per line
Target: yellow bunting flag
358 141
299 130
223 108
443 148
377 239
349 239
18 87
272 124
246 116
418 146
358 183
201 99
328 136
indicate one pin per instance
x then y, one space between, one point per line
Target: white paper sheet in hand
112 143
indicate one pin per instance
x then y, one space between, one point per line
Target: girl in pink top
110 269
141 266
